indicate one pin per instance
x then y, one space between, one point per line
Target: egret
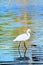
23 38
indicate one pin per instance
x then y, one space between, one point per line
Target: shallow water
14 20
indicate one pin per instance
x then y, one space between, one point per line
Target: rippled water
14 21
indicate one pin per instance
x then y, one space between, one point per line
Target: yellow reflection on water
27 22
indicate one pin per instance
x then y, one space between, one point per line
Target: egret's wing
21 37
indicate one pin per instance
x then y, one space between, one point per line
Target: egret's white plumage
23 37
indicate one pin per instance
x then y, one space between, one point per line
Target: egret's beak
33 32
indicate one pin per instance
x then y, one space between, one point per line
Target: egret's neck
28 34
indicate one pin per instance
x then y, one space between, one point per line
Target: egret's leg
19 49
25 49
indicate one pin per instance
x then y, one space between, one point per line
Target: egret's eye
29 31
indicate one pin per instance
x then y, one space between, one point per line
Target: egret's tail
14 40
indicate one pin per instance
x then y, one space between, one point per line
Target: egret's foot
19 58
23 58
26 58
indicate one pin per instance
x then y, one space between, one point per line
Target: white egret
23 38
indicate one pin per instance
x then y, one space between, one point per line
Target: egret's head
28 30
